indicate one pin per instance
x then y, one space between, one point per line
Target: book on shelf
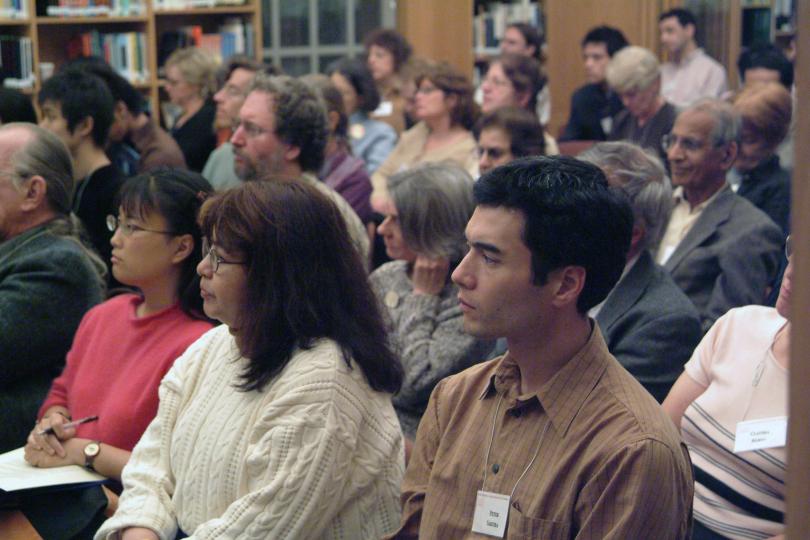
489 26
16 62
233 37
13 9
175 5
124 51
95 8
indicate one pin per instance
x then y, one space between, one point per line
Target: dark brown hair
305 281
525 75
393 42
451 82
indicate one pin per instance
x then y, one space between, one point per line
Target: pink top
694 77
115 366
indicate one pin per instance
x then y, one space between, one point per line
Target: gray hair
640 174
47 156
632 68
727 121
434 202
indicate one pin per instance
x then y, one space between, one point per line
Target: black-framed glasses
250 129
127 228
214 259
687 143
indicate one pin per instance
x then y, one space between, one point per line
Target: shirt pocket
526 528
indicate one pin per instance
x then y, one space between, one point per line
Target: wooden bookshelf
49 34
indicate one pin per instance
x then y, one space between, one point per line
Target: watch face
92 449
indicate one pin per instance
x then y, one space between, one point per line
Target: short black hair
684 16
768 56
613 38
526 136
357 73
81 95
531 36
572 217
393 42
15 107
119 87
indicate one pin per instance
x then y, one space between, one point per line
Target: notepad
17 474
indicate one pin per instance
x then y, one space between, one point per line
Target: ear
729 154
292 153
120 110
84 128
636 237
185 247
523 99
35 193
690 30
451 100
569 280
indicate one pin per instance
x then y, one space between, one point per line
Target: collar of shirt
680 199
564 394
691 57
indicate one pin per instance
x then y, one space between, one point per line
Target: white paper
16 473
491 514
762 433
386 108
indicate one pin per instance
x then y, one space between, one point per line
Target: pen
50 431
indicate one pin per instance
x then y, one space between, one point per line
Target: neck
696 195
659 102
439 127
87 159
190 108
27 223
541 355
332 146
688 49
159 295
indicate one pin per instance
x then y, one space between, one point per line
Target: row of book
91 8
13 9
175 5
124 51
16 62
490 25
232 37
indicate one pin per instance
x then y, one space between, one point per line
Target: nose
484 162
675 152
204 267
382 230
115 240
238 137
461 276
218 97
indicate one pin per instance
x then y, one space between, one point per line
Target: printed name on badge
491 514
761 434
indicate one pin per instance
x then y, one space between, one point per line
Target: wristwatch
91 452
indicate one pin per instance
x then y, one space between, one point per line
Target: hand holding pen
50 430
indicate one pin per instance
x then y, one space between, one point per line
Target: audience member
594 105
48 279
124 347
387 54
765 63
524 39
342 171
78 108
765 110
720 249
409 74
15 107
279 423
739 372
634 74
371 140
446 113
283 131
506 134
649 324
190 82
153 145
690 74
219 169
547 242
428 207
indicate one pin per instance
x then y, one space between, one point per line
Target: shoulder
748 320
666 297
417 133
745 218
390 273
585 93
467 384
63 255
377 129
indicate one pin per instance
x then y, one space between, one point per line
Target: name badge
759 434
384 109
491 514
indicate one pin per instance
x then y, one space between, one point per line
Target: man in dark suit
649 324
721 250
594 105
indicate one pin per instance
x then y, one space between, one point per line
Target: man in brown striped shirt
555 439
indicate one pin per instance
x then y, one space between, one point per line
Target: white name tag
491 514
384 109
762 433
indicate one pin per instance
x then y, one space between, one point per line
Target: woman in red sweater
124 346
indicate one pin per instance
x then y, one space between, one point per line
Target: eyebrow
483 246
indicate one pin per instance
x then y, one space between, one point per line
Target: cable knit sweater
316 454
429 337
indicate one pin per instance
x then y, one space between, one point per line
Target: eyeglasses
497 81
128 228
213 257
492 152
426 90
689 144
251 130
788 247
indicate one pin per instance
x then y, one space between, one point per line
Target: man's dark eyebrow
483 246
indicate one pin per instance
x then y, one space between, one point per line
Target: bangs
137 197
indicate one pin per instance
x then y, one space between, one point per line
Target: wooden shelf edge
219 10
90 20
15 22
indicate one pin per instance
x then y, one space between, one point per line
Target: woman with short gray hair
426 211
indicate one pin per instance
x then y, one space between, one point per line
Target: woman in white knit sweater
279 423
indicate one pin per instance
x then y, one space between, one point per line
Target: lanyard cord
492 439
